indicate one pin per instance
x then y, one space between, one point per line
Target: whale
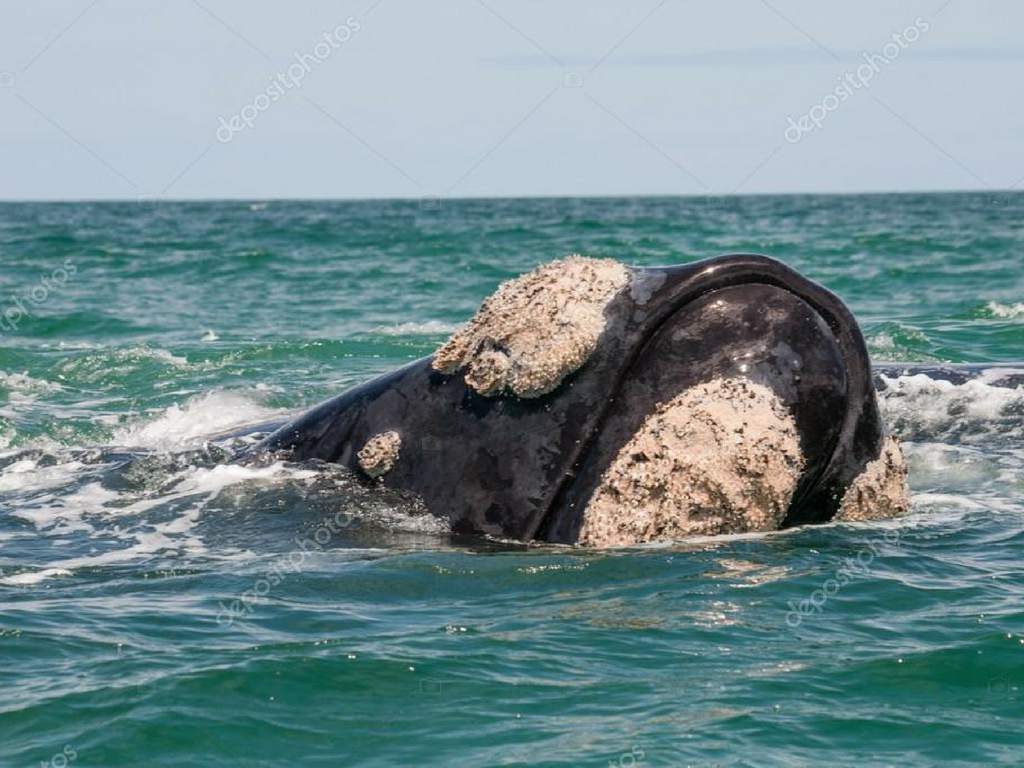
597 404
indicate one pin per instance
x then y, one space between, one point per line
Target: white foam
27 475
402 522
203 416
882 341
212 480
919 407
23 391
75 345
948 500
994 375
22 382
58 514
1006 311
943 464
428 327
34 577
107 360
158 354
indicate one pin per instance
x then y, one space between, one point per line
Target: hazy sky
399 98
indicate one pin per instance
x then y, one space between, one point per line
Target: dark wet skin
525 468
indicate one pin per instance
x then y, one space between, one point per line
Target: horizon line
473 198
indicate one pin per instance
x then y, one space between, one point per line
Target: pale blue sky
124 98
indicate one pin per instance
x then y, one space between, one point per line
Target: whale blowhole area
536 329
721 457
378 456
880 490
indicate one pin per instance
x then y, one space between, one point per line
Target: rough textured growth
880 490
721 457
536 329
380 453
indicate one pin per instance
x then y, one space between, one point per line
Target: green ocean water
132 332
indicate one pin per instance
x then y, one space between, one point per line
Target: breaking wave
166 487
918 407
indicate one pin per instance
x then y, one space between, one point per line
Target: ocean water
162 606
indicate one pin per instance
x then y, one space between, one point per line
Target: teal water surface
160 605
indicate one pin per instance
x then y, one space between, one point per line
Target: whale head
594 403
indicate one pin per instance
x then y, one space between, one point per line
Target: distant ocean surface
131 332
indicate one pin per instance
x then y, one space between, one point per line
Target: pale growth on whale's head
380 453
720 457
880 490
536 329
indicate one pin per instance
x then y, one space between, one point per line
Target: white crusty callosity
378 456
536 329
880 490
721 457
